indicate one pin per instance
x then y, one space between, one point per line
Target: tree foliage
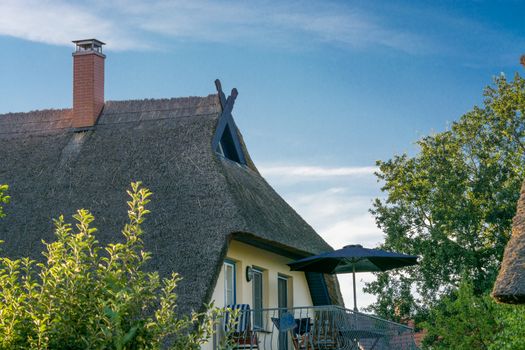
467 321
89 296
452 203
463 321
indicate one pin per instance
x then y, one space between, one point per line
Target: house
510 284
214 217
215 220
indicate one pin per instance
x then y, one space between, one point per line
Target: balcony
310 328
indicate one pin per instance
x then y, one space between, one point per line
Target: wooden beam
222 97
226 119
228 108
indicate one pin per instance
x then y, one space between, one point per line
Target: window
226 146
257 285
229 283
282 303
282 291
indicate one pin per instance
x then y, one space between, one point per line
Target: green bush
511 333
467 321
88 296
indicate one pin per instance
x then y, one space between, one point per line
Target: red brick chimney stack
88 82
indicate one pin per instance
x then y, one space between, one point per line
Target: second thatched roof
510 284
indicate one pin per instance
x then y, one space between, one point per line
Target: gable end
226 141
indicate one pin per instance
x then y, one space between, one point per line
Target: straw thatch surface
510 284
35 122
200 202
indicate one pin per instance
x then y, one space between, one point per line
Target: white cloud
353 28
335 201
59 22
127 23
359 229
142 24
363 299
305 172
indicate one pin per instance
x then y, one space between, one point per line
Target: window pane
229 284
257 290
257 298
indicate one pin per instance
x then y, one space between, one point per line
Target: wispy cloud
350 26
342 218
335 201
141 24
315 172
135 23
59 22
357 229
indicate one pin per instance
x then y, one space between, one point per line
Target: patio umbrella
353 258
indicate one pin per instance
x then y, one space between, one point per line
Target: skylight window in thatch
226 146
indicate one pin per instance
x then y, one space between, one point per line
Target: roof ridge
35 111
149 110
163 98
54 110
114 112
39 121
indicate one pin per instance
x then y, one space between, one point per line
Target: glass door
229 283
257 285
282 294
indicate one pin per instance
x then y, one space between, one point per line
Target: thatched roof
200 202
510 284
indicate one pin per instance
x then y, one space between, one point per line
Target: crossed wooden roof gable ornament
226 120
226 103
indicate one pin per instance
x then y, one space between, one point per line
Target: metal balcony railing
310 328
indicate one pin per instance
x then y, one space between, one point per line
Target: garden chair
239 330
298 328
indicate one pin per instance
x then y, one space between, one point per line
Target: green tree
467 321
89 296
452 204
463 321
511 322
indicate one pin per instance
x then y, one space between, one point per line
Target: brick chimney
88 82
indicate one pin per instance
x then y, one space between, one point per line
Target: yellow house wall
272 266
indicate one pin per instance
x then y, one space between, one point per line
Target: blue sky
325 87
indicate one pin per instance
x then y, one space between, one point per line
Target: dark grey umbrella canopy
343 261
351 259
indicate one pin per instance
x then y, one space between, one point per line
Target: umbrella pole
353 278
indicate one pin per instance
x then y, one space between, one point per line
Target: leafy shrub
88 296
467 321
